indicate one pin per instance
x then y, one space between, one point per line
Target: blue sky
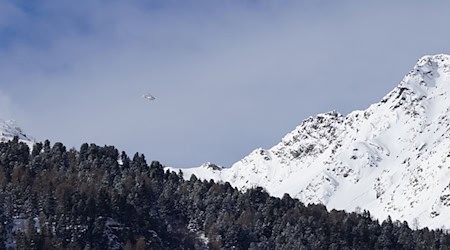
229 76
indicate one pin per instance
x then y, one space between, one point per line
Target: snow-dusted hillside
391 159
9 129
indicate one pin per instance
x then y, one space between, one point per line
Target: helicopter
149 97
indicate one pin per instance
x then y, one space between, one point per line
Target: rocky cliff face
391 159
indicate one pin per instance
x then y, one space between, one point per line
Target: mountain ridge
390 159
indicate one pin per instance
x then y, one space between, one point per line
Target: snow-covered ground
391 159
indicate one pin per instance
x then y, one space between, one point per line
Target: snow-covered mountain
391 159
9 129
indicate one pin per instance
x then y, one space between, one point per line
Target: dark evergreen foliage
56 198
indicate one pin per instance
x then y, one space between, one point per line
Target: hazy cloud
5 106
229 76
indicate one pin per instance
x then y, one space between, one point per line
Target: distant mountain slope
391 159
9 129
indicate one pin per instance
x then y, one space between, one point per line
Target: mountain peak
391 159
429 72
9 129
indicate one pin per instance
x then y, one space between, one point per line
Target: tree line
99 198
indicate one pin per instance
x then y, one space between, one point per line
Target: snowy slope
391 159
9 129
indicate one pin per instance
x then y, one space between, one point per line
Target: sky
229 76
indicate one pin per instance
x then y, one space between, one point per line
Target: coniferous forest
99 198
